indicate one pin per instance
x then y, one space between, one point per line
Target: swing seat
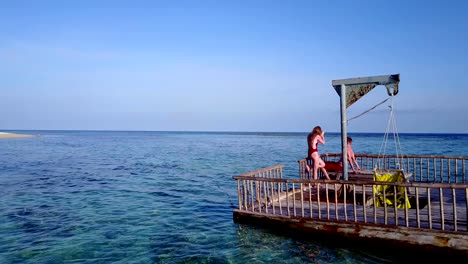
388 194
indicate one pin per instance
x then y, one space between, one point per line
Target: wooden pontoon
426 209
436 217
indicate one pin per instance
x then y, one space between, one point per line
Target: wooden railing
246 194
433 206
269 172
436 169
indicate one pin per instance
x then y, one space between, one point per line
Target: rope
396 137
367 111
391 125
383 146
230 197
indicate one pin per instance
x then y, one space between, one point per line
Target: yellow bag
397 176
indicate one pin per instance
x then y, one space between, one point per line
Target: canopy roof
358 87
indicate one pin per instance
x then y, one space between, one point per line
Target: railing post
239 195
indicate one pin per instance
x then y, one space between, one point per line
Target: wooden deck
328 204
427 213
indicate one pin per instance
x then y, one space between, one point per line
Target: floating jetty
434 215
410 201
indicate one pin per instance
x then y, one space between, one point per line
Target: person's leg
322 167
307 168
325 173
316 160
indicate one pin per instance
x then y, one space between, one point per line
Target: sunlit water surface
159 197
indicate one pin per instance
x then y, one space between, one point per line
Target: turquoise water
160 197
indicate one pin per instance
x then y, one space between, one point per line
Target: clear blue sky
230 65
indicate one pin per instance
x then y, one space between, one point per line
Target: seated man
338 166
351 158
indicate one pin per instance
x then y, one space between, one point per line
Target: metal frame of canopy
350 91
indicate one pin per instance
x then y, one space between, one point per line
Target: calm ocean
160 197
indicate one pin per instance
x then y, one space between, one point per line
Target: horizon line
218 131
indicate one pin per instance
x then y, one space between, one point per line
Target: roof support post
351 90
344 145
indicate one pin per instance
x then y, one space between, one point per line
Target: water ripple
141 197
